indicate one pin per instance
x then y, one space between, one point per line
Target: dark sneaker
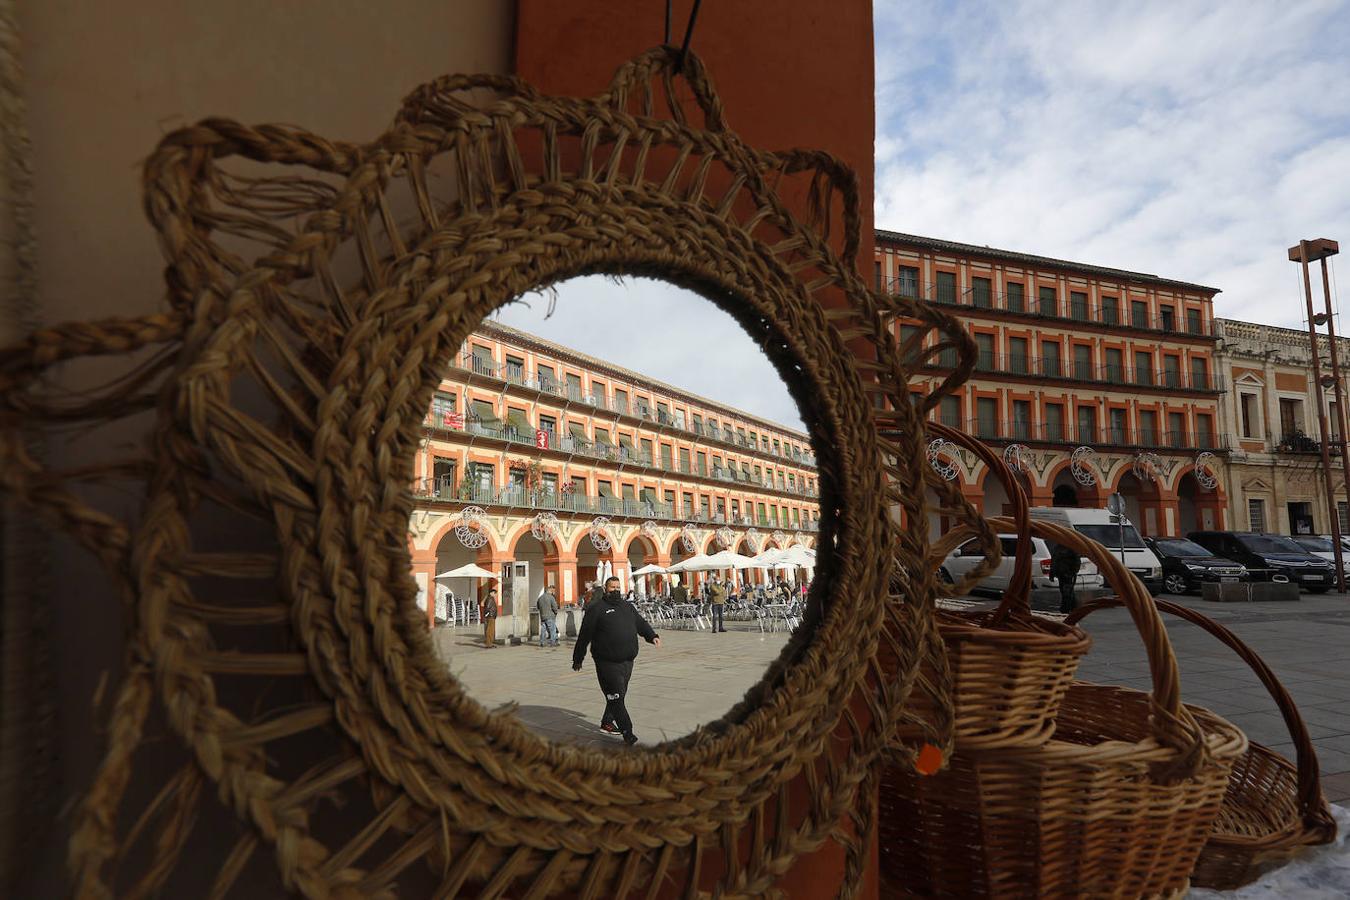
609 728
630 739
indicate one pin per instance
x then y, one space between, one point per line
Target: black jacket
611 628
1064 562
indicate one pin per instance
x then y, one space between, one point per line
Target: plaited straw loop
1271 809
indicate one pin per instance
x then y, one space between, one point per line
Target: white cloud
1194 141
662 331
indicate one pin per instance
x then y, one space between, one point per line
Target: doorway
1300 518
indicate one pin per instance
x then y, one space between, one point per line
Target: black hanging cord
667 40
689 33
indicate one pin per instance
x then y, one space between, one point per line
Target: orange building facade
541 464
1092 380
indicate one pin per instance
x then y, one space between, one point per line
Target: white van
1108 529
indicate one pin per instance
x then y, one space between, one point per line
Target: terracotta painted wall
790 74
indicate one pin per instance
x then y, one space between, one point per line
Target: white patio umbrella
468 570
694 563
649 569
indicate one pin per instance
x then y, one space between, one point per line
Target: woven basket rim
1038 634
1224 739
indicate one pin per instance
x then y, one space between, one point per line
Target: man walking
490 619
610 629
717 594
1064 564
548 617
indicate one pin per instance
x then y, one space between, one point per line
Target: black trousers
717 623
1068 601
613 678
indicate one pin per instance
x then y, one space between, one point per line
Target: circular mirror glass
606 462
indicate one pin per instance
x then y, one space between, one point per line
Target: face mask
612 595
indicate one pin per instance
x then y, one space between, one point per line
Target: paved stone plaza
693 678
696 676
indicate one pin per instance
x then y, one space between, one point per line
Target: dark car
1269 557
1186 565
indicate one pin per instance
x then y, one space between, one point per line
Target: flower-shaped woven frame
317 291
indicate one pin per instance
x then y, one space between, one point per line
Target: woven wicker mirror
612 427
281 696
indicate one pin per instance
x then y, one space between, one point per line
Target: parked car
1108 529
1186 565
963 559
1321 545
1269 557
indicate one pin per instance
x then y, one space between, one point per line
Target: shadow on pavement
567 726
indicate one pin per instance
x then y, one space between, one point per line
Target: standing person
490 619
1064 565
610 629
717 594
596 594
548 617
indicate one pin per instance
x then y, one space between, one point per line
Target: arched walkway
452 554
1066 491
643 551
1197 508
1143 503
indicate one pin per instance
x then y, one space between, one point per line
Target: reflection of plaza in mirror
623 429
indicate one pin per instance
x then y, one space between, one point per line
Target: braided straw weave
280 693
1273 808
1118 803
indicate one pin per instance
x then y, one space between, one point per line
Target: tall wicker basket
1117 804
1010 669
1273 808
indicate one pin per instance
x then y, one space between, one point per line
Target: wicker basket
1010 669
1117 804
1273 808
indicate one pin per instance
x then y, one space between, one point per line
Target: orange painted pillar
424 573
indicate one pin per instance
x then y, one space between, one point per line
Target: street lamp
1303 254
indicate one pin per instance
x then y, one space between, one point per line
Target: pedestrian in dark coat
1064 566
610 630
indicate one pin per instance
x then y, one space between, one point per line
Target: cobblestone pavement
1306 644
697 676
693 678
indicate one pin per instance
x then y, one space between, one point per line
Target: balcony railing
1298 441
1087 433
634 409
618 453
1062 309
516 495
1085 371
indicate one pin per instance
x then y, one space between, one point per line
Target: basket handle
1172 723
1017 598
1311 806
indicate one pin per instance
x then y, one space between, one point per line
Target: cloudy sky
667 332
1193 140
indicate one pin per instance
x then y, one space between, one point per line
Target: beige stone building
1274 471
